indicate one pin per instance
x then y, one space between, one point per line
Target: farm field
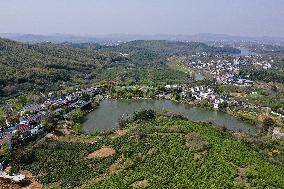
163 152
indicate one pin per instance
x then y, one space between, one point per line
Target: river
106 116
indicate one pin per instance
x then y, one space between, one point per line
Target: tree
267 124
77 115
223 105
175 96
49 123
2 117
77 127
5 151
274 88
144 115
16 136
205 103
85 97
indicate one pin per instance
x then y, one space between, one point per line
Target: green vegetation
276 74
151 75
49 123
2 116
269 95
161 152
77 116
264 75
131 92
39 67
144 115
34 68
170 48
5 151
153 150
64 162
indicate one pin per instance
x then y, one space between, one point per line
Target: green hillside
172 48
164 152
26 67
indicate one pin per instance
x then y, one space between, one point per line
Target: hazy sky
235 17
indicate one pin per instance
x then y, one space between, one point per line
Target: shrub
267 124
144 115
122 123
77 116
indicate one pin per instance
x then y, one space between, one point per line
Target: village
226 70
29 123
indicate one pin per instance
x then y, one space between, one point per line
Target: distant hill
57 38
203 37
169 48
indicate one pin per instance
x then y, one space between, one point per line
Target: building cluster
277 134
29 121
195 93
226 71
204 93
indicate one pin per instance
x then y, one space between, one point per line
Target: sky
93 17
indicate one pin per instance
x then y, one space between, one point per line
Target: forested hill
46 66
26 67
173 48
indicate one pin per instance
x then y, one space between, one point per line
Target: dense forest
26 67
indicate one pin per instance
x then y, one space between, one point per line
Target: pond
106 116
245 52
198 76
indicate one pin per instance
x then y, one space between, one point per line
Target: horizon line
137 34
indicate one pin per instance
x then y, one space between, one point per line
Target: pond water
106 116
245 52
198 76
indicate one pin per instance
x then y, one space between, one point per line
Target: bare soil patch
75 138
8 169
141 184
245 175
68 132
117 166
237 94
241 180
119 133
5 184
103 152
33 183
51 136
195 143
29 183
